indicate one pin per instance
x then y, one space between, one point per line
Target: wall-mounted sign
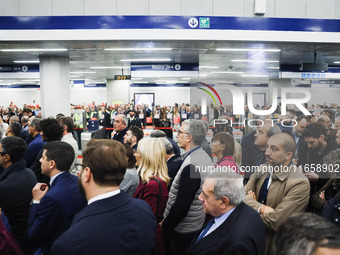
19 68
122 77
164 70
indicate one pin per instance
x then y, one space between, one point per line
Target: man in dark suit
300 155
113 222
134 120
53 208
235 227
16 183
120 127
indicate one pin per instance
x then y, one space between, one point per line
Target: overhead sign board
308 75
18 68
122 77
164 70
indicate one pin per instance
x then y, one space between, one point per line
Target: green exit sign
204 22
122 77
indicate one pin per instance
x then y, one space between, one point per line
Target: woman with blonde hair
152 169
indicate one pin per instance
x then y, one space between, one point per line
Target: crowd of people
275 192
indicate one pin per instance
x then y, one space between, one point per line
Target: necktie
206 229
264 190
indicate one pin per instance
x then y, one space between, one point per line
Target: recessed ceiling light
203 75
146 60
336 62
31 50
273 67
83 72
74 76
109 67
186 78
80 79
235 49
209 67
254 75
142 82
30 80
144 49
255 61
136 78
26 61
227 72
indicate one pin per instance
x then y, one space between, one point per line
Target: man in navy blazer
113 222
235 227
120 127
53 208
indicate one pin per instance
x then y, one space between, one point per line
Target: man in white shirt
112 222
235 228
67 124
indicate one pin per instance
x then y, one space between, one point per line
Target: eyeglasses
78 167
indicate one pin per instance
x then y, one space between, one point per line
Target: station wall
316 9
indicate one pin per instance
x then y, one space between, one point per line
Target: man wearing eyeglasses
184 214
16 183
53 207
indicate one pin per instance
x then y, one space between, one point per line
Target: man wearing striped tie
234 228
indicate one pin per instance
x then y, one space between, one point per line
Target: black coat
16 184
243 232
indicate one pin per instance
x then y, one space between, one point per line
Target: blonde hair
237 153
153 160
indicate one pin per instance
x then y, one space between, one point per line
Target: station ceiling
216 66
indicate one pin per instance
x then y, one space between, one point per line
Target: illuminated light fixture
185 78
203 75
209 67
255 61
83 72
30 80
80 79
95 82
273 67
74 76
31 50
254 75
146 60
144 49
246 50
336 62
136 79
109 67
227 72
142 82
26 61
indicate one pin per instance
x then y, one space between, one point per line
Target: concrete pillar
118 90
54 86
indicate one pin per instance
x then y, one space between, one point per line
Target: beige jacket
287 194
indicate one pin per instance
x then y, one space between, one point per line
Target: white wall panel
228 8
132 7
164 7
283 8
197 7
9 8
270 8
249 8
19 97
67 7
100 7
35 8
88 95
337 9
324 9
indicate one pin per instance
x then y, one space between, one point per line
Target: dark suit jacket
16 184
135 122
120 136
115 225
243 232
33 149
302 147
177 150
173 164
53 216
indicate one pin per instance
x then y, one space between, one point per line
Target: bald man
279 188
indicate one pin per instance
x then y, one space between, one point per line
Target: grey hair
157 133
274 130
124 119
230 185
169 149
303 233
196 129
332 158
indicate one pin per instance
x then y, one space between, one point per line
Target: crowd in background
200 197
